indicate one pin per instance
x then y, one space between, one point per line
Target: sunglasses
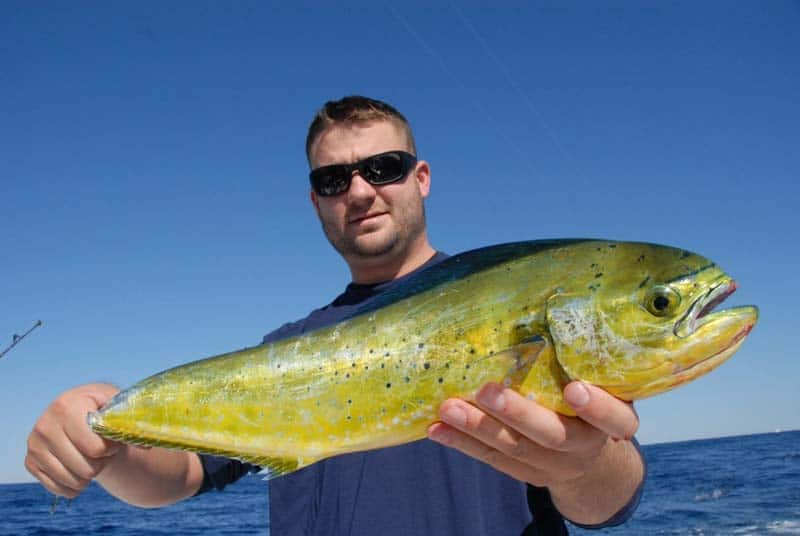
378 169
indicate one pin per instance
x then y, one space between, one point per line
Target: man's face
369 223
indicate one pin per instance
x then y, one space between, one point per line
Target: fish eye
662 301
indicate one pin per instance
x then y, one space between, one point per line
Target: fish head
648 324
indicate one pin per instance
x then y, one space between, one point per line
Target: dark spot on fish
347 375
353 365
348 417
349 401
685 254
371 350
599 274
447 365
421 345
467 367
383 365
335 372
386 354
426 366
641 258
612 246
388 385
366 367
279 365
441 380
593 265
644 282
463 377
472 351
405 407
407 379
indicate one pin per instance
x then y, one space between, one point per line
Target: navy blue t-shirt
417 488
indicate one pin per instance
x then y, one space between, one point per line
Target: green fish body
632 318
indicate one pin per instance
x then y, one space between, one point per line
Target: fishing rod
15 340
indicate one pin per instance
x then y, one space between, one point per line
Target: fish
634 319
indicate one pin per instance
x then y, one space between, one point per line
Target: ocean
725 486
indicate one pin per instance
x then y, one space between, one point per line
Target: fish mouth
697 314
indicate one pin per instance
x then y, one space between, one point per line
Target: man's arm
65 455
589 464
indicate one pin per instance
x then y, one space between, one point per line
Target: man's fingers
61 479
480 435
51 485
616 418
475 448
539 424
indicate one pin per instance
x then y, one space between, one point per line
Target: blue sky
155 201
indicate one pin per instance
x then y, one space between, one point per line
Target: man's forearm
605 489
152 477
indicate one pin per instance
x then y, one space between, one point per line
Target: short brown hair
356 109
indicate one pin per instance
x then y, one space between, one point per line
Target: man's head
357 109
379 229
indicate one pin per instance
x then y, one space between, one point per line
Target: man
485 462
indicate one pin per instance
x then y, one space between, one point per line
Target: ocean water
726 486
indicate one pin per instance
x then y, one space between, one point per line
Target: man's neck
380 270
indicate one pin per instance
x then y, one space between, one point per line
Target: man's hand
589 473
63 453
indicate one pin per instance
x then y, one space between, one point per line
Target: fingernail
438 433
492 397
577 395
455 416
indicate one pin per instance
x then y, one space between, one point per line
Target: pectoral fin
525 355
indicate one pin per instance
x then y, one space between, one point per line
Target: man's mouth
365 217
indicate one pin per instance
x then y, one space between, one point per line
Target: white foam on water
784 527
714 495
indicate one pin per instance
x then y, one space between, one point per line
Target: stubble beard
397 240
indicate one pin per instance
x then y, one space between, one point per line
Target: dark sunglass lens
330 181
384 168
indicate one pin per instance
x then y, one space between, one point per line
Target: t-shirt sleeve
218 472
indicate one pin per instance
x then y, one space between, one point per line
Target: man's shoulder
354 298
292 329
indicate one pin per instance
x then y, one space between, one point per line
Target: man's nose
360 188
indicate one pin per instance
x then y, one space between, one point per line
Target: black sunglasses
378 169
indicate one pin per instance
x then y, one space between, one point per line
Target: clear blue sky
154 194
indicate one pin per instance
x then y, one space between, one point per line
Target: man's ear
423 177
314 200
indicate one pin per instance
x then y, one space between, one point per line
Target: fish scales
534 315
